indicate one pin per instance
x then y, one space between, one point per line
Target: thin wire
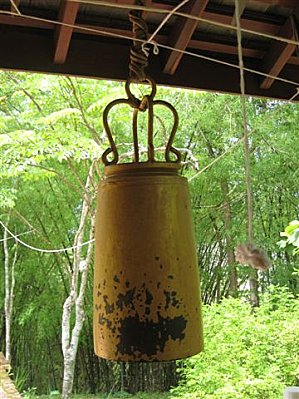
105 33
21 234
295 95
188 16
245 128
218 158
168 16
41 249
15 7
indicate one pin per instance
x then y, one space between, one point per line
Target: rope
138 56
15 7
295 95
105 33
168 16
139 51
40 249
245 127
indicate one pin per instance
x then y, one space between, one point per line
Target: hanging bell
147 303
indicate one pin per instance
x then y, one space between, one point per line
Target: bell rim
142 167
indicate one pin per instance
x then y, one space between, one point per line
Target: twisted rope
138 54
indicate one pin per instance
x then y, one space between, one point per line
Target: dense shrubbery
248 355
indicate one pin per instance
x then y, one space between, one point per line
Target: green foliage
291 233
247 354
116 395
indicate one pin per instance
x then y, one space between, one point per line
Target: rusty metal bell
147 303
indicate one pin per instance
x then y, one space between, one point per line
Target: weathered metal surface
146 285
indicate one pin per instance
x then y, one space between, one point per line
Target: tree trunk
253 289
75 301
9 293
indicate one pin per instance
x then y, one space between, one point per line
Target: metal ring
135 102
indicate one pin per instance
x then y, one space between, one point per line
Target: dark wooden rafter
148 3
204 45
280 3
246 23
63 34
278 53
182 32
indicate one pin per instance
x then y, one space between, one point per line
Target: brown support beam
93 58
278 54
67 15
181 34
279 3
256 26
211 46
148 3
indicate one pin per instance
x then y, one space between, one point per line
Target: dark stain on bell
99 293
127 284
104 321
167 299
148 337
125 299
116 279
171 299
157 257
108 308
148 297
170 277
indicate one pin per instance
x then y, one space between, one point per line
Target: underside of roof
91 38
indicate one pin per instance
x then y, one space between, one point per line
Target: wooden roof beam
278 54
280 3
181 34
63 34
